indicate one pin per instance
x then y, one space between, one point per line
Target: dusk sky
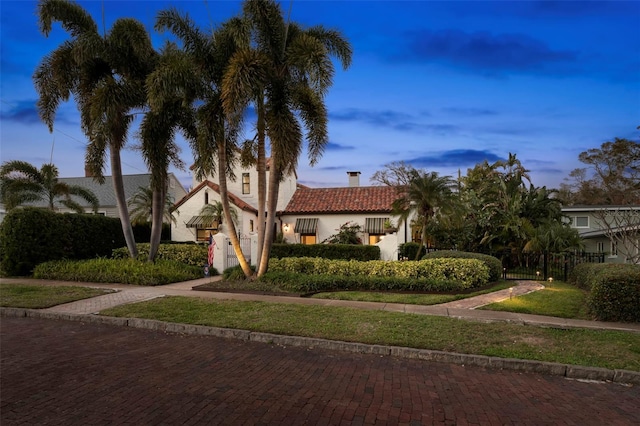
442 85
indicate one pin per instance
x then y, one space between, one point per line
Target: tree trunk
121 201
262 174
224 199
274 187
157 216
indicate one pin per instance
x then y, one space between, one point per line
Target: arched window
206 197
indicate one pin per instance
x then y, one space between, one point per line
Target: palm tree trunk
262 174
121 202
157 216
224 199
274 187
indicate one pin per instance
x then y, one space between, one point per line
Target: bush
582 274
189 254
409 251
30 236
124 271
235 273
615 293
326 251
467 272
307 284
493 263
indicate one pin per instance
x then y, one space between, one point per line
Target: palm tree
22 183
426 196
287 71
215 213
196 74
105 74
141 205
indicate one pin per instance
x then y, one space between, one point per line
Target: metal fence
542 266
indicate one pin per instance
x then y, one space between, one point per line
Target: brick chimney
87 171
354 179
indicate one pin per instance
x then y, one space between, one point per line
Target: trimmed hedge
582 275
493 263
326 251
409 251
615 293
30 236
468 273
307 284
189 253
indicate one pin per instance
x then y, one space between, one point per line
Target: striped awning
306 226
375 225
199 222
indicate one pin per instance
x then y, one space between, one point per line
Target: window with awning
374 225
306 226
200 222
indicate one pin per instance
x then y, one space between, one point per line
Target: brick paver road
72 373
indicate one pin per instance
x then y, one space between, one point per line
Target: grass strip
596 348
43 296
557 299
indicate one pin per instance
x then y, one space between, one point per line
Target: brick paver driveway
70 373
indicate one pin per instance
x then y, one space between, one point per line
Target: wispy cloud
333 146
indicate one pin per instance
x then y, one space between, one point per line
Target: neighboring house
106 195
612 230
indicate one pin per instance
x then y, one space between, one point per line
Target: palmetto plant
22 183
215 213
105 74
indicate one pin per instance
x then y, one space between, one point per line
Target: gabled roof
359 199
232 197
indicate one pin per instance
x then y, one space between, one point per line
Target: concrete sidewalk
462 309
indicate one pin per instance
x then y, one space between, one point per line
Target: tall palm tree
105 74
141 206
286 73
22 183
426 196
196 75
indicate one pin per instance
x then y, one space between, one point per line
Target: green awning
199 222
375 225
306 226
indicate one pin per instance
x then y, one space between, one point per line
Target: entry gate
232 259
542 266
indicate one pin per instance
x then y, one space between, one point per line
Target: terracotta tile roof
232 197
361 199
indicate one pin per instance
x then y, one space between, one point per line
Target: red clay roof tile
361 199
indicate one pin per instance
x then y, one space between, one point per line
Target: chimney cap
353 173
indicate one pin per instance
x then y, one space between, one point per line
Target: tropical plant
105 74
427 196
215 213
347 234
285 72
141 205
22 183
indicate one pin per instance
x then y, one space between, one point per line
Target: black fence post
545 265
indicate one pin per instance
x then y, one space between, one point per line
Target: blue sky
441 85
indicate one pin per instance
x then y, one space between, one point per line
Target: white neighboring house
106 195
612 230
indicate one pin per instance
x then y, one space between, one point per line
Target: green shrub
189 254
235 273
493 263
326 251
307 284
124 271
409 251
29 236
582 274
615 293
468 272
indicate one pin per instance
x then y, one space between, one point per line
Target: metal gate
232 259
542 266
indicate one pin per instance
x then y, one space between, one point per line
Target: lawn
596 348
44 296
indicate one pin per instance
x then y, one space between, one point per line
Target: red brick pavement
72 373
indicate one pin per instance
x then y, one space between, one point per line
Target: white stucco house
611 230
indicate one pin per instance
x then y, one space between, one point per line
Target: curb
490 362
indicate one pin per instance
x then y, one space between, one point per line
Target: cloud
454 158
24 112
332 146
394 120
490 54
469 111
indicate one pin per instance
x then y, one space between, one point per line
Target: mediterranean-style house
611 230
304 215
